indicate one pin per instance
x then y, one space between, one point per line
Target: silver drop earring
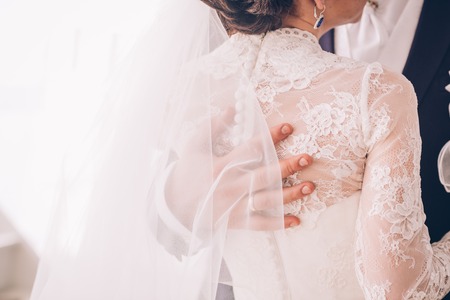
320 18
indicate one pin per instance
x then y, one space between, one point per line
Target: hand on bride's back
243 189
289 167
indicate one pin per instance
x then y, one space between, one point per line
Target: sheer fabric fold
175 159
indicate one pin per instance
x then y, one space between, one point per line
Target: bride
181 190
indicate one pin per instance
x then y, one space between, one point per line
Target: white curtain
55 57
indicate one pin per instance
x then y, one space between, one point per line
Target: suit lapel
429 45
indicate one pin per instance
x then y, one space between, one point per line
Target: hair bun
251 16
268 7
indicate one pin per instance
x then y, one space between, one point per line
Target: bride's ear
320 4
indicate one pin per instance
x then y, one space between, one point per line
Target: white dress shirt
384 34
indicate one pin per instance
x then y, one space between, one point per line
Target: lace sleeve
394 258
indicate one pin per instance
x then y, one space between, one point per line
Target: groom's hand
245 187
289 167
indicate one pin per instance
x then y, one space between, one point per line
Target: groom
425 60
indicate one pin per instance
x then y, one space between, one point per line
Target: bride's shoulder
374 76
380 77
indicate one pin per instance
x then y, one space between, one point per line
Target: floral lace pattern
276 74
359 122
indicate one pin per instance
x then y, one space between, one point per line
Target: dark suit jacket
427 68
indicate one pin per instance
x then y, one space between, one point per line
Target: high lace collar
296 33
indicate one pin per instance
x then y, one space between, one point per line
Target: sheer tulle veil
177 158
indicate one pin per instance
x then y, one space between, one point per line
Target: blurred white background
55 57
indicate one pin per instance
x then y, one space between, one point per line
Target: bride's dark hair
250 16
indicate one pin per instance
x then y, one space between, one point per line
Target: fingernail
303 162
293 224
306 190
285 129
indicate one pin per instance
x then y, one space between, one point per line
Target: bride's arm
394 257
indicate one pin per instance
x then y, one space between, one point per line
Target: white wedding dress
173 180
362 232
